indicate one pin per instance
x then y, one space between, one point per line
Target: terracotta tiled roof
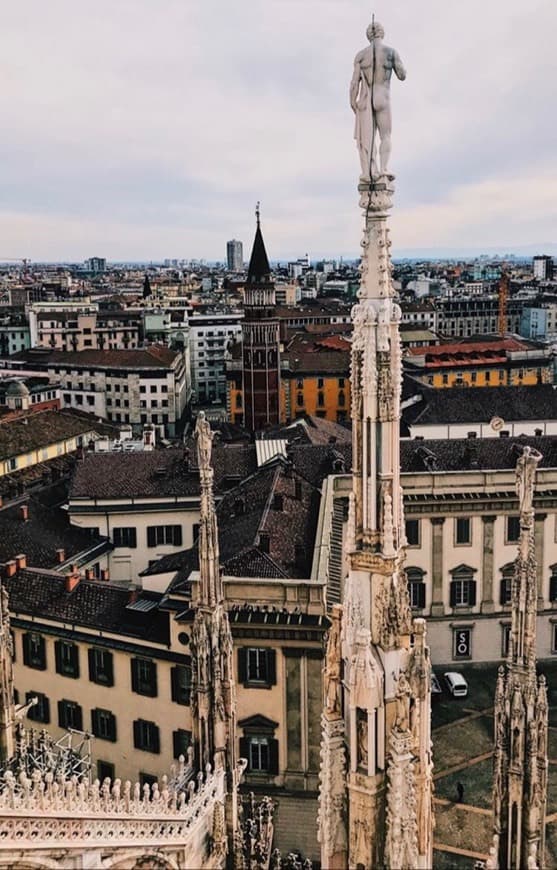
37 430
46 530
94 604
154 356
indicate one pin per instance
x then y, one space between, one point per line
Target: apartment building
211 332
462 527
77 326
509 361
144 385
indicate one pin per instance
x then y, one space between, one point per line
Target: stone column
437 605
488 604
539 521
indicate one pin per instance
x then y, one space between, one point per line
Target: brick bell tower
260 341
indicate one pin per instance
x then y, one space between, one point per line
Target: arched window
463 587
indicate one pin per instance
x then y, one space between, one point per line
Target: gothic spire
520 758
259 270
210 584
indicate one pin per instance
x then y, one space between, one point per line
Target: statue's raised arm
370 99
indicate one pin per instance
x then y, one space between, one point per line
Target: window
180 676
125 537
463 530
164 535
257 666
258 745
413 533
320 383
144 677
34 651
506 587
463 587
146 736
320 399
513 530
462 643
341 383
147 779
103 724
39 712
554 638
101 667
153 388
70 715
105 770
416 588
341 400
299 383
142 389
299 399
181 741
67 658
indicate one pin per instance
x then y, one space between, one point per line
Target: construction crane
503 297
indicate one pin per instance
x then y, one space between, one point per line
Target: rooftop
154 356
36 430
481 404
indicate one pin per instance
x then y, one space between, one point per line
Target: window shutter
453 594
78 716
242 665
151 536
244 749
95 722
137 734
58 656
154 687
62 714
112 728
133 538
502 591
174 686
273 757
135 675
420 597
45 703
109 660
92 665
74 658
156 735
178 536
26 649
271 667
553 588
472 594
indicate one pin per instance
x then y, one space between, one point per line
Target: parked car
435 684
456 684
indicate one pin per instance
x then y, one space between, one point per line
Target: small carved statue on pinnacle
204 437
370 99
525 476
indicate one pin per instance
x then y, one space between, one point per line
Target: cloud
143 130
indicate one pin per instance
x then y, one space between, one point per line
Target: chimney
24 512
134 595
71 581
21 561
60 555
10 568
105 575
89 574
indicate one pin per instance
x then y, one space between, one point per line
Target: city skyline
145 134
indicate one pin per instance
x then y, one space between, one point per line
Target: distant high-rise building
234 256
543 267
96 264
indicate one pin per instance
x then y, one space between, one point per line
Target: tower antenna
257 211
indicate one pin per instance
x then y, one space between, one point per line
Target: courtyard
462 730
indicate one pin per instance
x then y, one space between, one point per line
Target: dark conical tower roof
259 271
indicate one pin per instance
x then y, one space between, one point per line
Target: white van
456 684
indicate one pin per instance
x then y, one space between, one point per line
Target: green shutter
453 594
58 656
421 595
273 757
271 667
242 664
135 675
244 749
137 734
472 587
151 536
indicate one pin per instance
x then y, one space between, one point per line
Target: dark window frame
146 736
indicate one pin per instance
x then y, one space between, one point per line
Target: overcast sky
139 129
